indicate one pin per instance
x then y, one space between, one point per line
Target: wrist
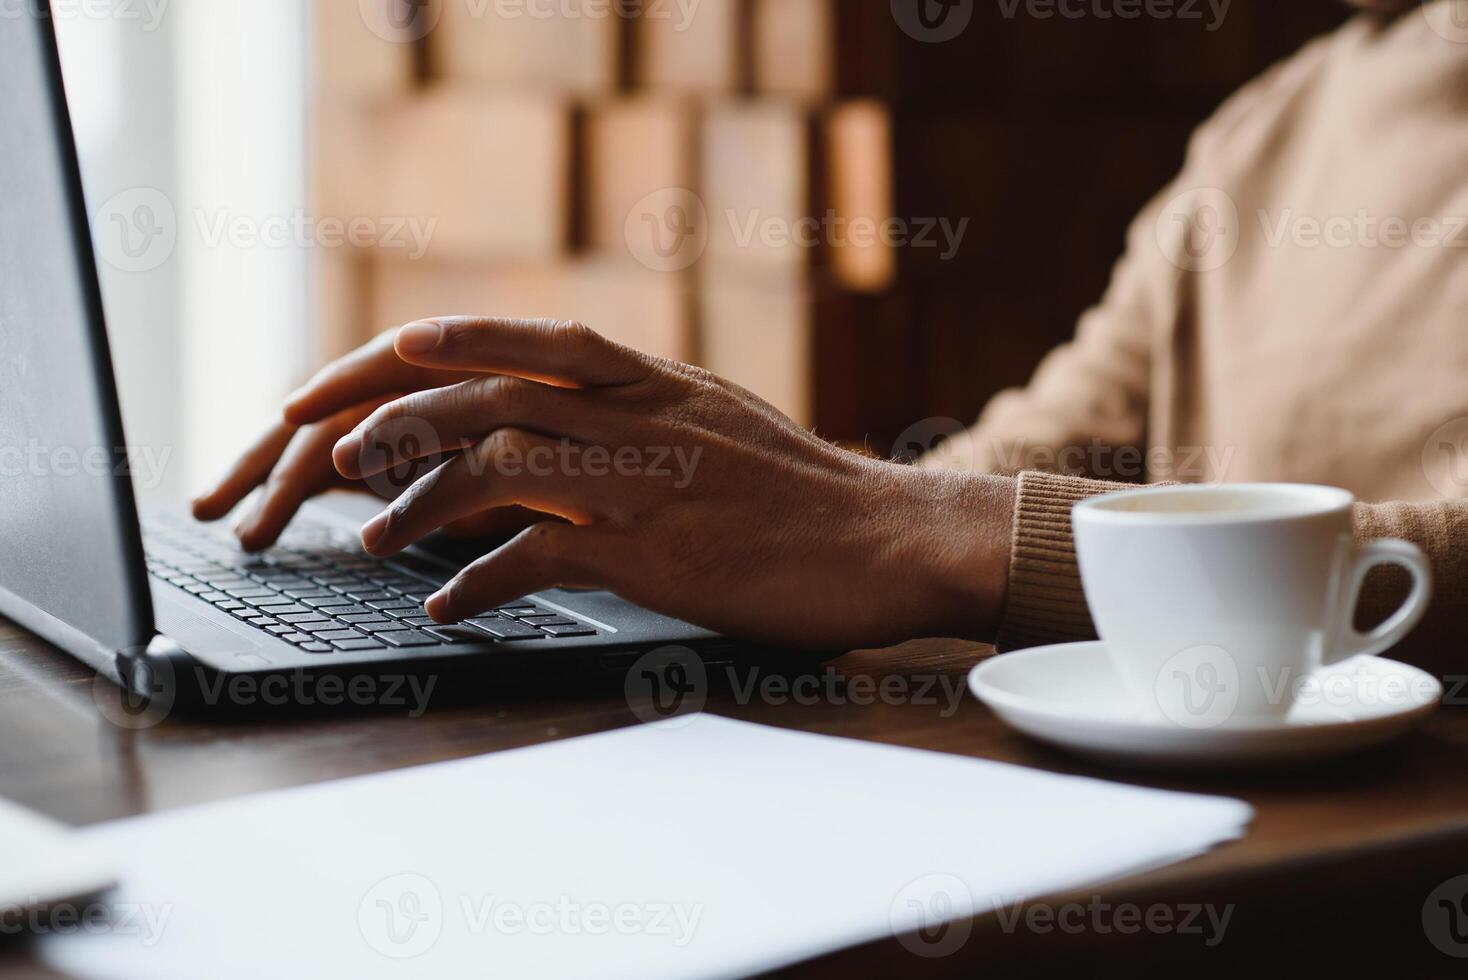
949 549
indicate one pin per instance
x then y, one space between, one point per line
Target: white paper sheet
711 849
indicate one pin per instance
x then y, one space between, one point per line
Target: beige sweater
1293 307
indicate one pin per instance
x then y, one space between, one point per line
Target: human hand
292 461
674 488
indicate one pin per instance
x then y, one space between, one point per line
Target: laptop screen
71 566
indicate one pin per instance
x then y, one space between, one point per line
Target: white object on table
1069 695
703 847
44 863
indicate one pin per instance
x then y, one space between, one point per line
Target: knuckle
504 442
546 542
500 395
574 334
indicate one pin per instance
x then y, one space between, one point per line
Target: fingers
368 372
304 470
248 473
561 352
497 523
448 419
511 467
543 556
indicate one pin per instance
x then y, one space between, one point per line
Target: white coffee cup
1217 602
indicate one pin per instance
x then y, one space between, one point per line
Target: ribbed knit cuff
1045 603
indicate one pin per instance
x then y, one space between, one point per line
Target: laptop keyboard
319 591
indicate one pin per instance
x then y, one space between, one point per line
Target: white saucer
1068 695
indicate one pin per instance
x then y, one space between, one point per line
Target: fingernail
344 454
373 529
435 606
420 337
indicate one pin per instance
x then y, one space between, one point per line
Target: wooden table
1333 874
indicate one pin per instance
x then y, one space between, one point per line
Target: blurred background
868 212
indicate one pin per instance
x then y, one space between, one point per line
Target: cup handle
1386 551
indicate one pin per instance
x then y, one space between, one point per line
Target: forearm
950 550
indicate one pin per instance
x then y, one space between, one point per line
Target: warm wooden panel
634 148
689 47
634 306
756 185
859 162
361 52
794 47
759 334
568 45
493 172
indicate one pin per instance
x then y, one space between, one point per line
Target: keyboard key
302 594
359 644
280 629
297 638
459 634
310 616
324 628
387 604
550 619
335 635
330 599
318 648
409 638
381 627
288 609
374 596
261 621
572 629
507 629
366 617
230 605
254 592
420 621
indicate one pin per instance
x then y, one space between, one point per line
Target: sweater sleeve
1046 604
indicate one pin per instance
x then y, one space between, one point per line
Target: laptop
173 609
